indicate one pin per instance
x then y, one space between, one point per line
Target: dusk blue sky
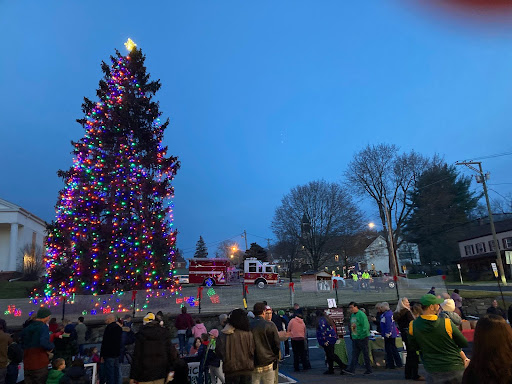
262 96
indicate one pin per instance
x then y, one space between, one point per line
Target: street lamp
371 225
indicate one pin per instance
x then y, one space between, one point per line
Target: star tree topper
130 44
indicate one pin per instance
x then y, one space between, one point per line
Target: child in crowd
76 374
213 362
198 329
57 371
94 355
195 346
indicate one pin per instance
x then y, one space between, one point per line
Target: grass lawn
16 289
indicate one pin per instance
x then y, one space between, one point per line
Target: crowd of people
248 347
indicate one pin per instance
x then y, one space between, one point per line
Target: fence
219 299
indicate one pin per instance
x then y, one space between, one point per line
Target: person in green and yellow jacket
439 342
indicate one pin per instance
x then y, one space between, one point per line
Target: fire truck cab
259 273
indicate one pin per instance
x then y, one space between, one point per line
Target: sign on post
331 303
494 269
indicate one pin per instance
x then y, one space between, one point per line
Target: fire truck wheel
260 283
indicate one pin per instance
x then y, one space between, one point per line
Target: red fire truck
222 272
212 272
259 273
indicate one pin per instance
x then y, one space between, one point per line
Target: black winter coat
75 375
154 353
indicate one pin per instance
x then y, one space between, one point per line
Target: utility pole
482 177
245 237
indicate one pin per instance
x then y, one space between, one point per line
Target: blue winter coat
387 324
325 333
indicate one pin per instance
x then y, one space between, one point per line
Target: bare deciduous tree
33 266
388 177
313 214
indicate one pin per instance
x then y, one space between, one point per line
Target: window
491 245
480 247
268 269
507 242
469 250
252 267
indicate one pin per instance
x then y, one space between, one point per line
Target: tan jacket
236 350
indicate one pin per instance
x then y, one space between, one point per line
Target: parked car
181 279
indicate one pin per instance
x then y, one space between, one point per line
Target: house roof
485 229
6 206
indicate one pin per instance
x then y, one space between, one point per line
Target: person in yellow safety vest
366 279
356 286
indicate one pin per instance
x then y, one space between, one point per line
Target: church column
13 247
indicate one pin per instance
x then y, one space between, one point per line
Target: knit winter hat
148 318
43 313
214 332
281 312
448 305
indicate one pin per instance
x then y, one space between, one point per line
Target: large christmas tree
114 230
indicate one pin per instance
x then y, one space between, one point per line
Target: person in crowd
184 323
58 332
94 355
57 371
327 337
403 317
250 315
202 356
235 347
298 334
297 309
15 357
457 298
285 320
492 352
448 312
378 315
127 337
35 339
389 331
213 363
65 346
30 319
53 325
81 331
198 329
5 340
154 354
494 309
160 318
355 282
195 346
439 343
266 352
416 310
222 321
111 350
359 333
76 374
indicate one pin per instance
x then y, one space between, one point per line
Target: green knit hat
281 312
43 313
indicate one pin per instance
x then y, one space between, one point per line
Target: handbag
188 333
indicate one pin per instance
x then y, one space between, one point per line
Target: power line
492 156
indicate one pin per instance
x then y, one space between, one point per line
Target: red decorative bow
134 295
246 288
199 292
291 285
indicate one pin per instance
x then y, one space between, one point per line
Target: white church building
376 255
19 230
